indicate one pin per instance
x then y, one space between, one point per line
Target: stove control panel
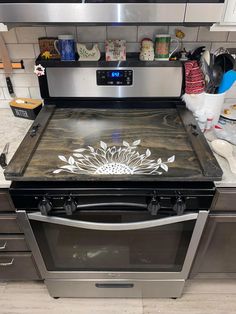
114 77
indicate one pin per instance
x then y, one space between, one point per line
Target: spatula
225 150
228 80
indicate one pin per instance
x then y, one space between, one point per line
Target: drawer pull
7 264
3 246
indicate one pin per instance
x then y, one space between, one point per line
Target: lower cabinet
17 266
16 260
216 256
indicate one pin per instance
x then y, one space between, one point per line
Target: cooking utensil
216 75
7 66
195 54
206 56
228 80
3 158
225 61
206 70
225 150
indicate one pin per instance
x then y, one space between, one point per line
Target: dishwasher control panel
114 77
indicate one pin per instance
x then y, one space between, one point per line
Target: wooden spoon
225 150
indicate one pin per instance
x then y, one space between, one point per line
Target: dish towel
194 78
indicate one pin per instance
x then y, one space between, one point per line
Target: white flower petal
79 150
78 155
136 143
103 145
69 167
91 148
71 161
171 159
57 171
63 158
164 167
125 144
148 153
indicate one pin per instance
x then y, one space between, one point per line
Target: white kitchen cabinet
228 18
229 15
207 13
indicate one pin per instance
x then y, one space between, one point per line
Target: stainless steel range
114 180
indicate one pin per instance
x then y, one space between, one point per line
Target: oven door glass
114 241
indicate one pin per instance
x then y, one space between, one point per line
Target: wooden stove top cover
113 144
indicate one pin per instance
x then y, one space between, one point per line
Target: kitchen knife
3 159
7 66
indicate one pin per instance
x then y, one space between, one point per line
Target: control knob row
45 206
178 207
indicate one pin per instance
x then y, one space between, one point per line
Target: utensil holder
213 104
205 107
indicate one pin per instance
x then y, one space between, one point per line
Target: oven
114 180
114 242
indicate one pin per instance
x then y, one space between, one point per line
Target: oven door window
155 249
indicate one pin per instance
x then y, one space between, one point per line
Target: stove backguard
110 80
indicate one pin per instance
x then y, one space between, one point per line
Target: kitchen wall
22 43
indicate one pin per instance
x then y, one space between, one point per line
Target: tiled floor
200 297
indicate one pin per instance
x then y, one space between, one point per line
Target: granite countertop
14 129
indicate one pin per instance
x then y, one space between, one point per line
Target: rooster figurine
88 54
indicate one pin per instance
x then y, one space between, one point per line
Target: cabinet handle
7 264
3 246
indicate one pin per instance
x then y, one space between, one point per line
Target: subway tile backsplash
54 31
128 33
29 35
190 32
204 34
22 43
91 34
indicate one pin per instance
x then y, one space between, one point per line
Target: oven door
101 244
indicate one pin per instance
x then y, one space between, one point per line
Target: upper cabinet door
204 12
230 12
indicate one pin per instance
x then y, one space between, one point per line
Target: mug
65 46
162 46
47 44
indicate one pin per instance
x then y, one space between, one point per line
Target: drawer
5 205
18 266
8 224
225 200
13 243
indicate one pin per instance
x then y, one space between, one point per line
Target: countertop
14 129
229 178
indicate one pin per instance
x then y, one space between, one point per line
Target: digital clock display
113 77
115 74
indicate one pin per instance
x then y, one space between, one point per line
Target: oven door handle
121 204
114 226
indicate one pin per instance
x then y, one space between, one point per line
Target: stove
114 180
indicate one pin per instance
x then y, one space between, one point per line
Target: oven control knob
154 205
70 206
179 206
45 206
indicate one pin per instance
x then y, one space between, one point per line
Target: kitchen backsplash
22 43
